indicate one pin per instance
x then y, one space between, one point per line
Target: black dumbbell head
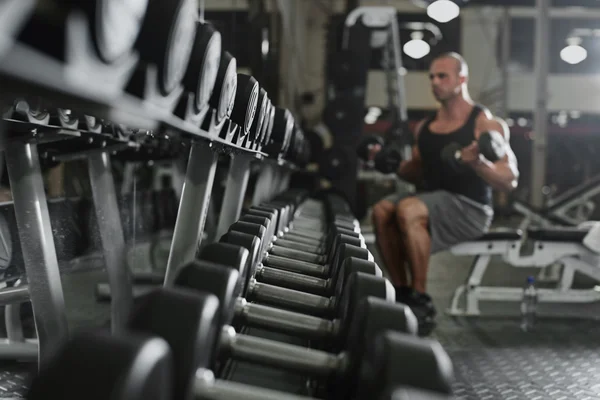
230 255
289 135
431 368
133 366
387 160
166 39
246 101
202 69
260 118
223 96
492 145
218 279
268 126
359 286
373 317
250 243
362 151
189 321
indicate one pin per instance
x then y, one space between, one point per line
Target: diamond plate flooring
492 357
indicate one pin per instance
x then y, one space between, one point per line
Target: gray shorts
453 218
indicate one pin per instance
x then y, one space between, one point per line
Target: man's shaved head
461 65
449 74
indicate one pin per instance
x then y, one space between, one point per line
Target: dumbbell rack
83 83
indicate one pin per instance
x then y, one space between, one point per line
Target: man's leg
389 242
412 217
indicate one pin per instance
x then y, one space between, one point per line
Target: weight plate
210 67
259 120
118 23
203 66
223 95
179 47
268 125
246 98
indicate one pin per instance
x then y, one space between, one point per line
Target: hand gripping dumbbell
195 325
386 159
492 146
327 306
191 334
345 295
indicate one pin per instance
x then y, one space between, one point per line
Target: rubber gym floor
492 358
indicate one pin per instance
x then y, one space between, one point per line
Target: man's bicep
510 159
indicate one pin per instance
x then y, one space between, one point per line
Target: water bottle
528 305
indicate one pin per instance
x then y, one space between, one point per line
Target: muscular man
452 207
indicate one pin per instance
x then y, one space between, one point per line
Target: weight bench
570 208
550 246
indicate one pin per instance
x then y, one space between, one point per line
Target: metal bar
277 354
113 241
37 244
193 206
14 325
208 388
263 184
292 280
399 70
301 267
17 350
12 295
235 189
505 60
538 158
283 321
288 298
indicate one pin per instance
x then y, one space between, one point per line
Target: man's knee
383 213
410 212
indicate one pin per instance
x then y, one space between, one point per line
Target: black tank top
439 177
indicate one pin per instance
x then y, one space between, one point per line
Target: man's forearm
499 176
409 171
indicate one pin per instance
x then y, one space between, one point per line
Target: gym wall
479 47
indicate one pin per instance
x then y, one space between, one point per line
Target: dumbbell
492 146
386 160
346 243
282 276
126 377
201 322
277 294
297 239
260 120
201 74
243 111
204 272
134 367
300 253
319 252
283 124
